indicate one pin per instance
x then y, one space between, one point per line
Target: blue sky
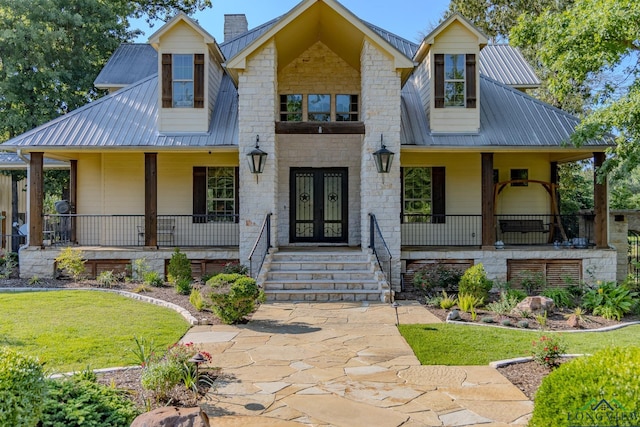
406 18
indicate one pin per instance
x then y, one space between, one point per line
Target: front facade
162 162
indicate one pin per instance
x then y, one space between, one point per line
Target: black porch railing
466 230
128 230
379 247
260 248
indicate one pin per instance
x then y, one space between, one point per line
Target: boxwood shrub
22 389
601 390
234 296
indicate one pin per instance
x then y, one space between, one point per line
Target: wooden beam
151 199
318 128
36 198
488 202
73 197
600 204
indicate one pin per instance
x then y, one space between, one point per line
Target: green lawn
446 344
70 330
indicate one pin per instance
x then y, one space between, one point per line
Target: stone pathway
345 364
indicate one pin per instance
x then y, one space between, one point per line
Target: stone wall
381 193
39 262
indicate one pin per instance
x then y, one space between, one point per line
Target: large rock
171 416
534 305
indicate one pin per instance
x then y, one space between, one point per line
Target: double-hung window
454 81
182 80
215 194
423 194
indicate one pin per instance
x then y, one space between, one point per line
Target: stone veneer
381 193
39 262
257 88
597 264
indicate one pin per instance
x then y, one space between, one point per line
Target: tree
584 44
52 50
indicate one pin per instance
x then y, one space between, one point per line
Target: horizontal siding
458 120
183 120
455 39
123 183
182 39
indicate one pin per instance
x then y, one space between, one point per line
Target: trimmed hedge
601 390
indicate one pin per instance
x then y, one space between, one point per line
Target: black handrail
377 245
260 248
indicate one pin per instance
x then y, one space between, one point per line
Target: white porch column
257 88
380 192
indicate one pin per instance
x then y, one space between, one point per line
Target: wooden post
4 229
488 208
600 204
151 199
36 199
73 198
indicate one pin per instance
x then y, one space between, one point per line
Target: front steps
323 274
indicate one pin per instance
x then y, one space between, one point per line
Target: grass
445 344
73 330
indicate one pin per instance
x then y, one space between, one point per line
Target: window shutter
471 80
167 89
200 194
439 79
198 80
438 196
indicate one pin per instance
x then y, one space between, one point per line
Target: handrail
264 238
374 229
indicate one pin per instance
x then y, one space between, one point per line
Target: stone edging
95 371
184 313
507 362
568 331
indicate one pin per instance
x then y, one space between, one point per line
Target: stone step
322 296
277 265
320 256
340 285
312 275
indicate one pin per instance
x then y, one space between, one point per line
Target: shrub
139 268
532 281
179 267
234 296
35 281
570 395
106 279
542 320
183 286
522 324
516 294
561 297
506 322
21 389
547 349
71 261
488 319
196 300
609 300
474 282
152 278
435 301
504 305
467 302
81 401
8 263
436 277
235 268
446 302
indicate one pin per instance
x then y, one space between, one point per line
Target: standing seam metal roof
131 62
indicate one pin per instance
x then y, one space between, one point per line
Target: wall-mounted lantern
383 158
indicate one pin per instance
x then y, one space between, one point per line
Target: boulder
171 416
534 305
453 315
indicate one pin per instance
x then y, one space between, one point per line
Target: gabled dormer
189 73
449 76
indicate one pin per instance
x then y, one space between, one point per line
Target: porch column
150 199
73 197
488 208
36 198
600 204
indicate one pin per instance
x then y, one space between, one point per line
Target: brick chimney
234 25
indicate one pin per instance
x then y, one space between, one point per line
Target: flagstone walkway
345 364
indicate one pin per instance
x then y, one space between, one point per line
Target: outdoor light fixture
197 359
383 158
396 305
257 158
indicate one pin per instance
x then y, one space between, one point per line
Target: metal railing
128 230
441 230
260 248
379 247
466 230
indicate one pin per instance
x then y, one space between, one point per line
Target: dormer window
455 80
182 80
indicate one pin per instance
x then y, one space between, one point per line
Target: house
330 155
